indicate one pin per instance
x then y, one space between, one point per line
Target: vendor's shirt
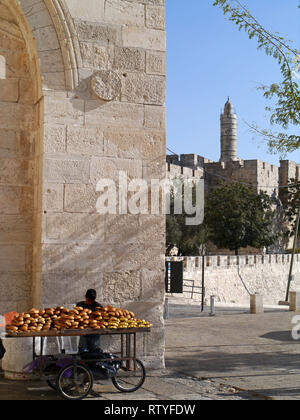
91 307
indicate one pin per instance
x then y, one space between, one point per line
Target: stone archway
19 139
40 58
37 61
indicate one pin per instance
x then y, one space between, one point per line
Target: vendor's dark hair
91 294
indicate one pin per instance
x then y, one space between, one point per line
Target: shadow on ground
282 336
216 363
246 370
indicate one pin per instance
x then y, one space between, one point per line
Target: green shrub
289 251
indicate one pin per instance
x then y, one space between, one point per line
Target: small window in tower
2 67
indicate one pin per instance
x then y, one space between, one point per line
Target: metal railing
193 287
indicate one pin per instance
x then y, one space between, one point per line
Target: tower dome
228 109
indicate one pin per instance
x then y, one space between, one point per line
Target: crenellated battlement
191 161
262 175
232 279
195 263
289 170
178 171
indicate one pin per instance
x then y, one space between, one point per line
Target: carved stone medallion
106 84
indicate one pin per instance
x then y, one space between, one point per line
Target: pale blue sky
208 60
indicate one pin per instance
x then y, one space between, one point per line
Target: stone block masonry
233 279
177 171
82 95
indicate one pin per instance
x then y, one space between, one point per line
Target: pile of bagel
60 319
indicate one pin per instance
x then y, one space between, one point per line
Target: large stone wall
262 175
96 74
177 171
232 279
19 126
289 170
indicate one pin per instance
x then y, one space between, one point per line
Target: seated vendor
89 343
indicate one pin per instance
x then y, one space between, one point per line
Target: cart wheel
128 378
51 384
74 382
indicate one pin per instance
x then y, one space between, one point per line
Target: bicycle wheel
129 378
75 382
51 384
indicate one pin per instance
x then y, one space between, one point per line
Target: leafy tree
286 112
291 203
236 216
188 239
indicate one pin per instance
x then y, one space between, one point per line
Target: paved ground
158 386
185 310
251 352
231 356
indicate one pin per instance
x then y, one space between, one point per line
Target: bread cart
72 376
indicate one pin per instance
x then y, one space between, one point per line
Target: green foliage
291 202
236 216
286 112
290 251
187 238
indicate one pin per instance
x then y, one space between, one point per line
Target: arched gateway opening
20 133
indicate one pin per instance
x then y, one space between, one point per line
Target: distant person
174 251
89 343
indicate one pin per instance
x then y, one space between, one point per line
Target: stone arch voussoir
51 41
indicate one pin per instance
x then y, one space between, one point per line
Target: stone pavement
181 309
250 352
158 386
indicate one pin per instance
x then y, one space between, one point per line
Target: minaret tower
228 134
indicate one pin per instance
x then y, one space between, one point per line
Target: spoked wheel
51 384
130 377
74 382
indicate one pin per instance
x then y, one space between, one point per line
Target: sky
208 59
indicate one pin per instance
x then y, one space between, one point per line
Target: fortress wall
289 170
233 278
177 171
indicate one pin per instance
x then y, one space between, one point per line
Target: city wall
231 279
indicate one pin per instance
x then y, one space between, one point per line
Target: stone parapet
177 171
232 279
194 263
